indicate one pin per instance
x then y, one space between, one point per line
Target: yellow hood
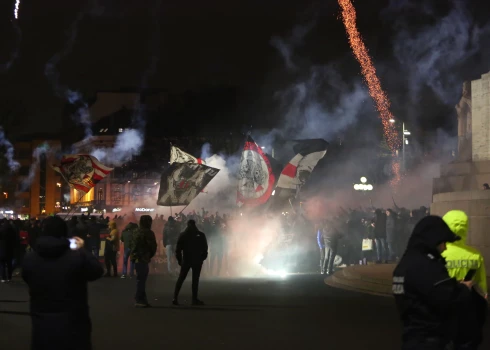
112 225
457 221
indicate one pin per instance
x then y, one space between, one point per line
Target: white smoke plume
128 144
74 97
432 55
42 149
9 151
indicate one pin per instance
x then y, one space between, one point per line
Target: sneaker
175 302
3 281
197 302
123 276
141 305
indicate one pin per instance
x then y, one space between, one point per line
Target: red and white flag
179 156
82 171
255 177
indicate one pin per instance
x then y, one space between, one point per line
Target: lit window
105 130
101 130
121 129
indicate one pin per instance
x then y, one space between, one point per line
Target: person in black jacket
57 278
426 297
8 241
191 251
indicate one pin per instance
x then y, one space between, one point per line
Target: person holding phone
57 277
426 297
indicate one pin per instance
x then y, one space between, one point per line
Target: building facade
36 188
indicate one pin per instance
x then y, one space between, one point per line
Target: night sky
199 44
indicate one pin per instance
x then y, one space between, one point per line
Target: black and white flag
182 182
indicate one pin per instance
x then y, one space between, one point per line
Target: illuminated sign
116 210
9 211
144 209
83 209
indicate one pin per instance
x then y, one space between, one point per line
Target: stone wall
480 115
476 204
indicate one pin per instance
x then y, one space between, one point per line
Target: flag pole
74 206
183 209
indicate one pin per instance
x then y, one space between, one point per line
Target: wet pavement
297 312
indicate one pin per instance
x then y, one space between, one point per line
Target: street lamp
405 133
363 186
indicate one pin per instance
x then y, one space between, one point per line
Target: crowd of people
365 236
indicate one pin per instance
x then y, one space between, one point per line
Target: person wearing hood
426 296
191 251
111 249
462 259
170 236
143 248
57 277
126 238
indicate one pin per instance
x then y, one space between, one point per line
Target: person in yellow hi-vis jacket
464 262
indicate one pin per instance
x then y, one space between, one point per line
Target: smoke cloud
128 144
74 97
9 151
41 150
432 55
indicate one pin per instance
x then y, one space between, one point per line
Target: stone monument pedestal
460 185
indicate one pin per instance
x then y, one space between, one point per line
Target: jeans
142 271
391 250
322 260
169 250
127 253
6 269
330 254
196 273
381 249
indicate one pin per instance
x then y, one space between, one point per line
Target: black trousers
196 274
110 260
6 269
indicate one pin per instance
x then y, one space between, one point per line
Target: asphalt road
298 312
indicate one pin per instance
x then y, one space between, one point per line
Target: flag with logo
179 156
82 171
182 182
255 177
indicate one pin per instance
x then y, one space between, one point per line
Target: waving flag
298 170
255 177
182 182
179 156
82 171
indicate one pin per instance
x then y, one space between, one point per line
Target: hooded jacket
425 295
143 242
127 234
57 278
461 258
192 247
